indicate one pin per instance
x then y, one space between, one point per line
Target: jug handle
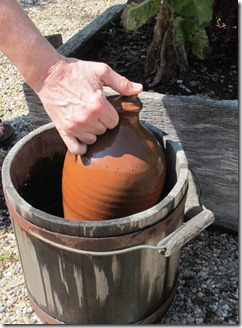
166 247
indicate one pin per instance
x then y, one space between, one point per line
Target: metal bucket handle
166 247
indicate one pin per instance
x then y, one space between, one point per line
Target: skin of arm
71 90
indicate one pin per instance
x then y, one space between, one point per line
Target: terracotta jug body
122 173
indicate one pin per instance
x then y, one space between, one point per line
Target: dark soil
215 77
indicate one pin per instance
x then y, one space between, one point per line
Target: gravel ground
207 292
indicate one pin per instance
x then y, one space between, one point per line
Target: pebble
202 294
193 83
207 290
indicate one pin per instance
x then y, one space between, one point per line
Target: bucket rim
118 226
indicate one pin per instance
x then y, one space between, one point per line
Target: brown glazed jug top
122 173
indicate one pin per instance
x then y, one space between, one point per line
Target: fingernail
138 86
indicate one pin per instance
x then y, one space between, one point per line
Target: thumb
120 83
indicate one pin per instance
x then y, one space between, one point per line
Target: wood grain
208 132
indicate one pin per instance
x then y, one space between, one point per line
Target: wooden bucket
111 272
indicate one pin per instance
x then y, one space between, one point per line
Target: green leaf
137 14
191 18
199 43
4 256
199 10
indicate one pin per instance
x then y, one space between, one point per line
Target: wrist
38 76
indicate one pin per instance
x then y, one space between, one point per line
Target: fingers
78 144
100 128
106 117
75 146
101 114
119 83
76 104
87 138
109 118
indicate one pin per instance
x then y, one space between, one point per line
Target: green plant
179 23
137 14
4 256
190 18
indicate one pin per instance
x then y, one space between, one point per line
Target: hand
72 95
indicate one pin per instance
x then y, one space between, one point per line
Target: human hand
71 90
72 95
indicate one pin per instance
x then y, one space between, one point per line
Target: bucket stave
65 286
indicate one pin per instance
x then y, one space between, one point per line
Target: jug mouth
126 103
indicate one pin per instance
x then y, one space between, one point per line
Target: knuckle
79 149
70 126
101 131
90 139
104 69
97 104
74 124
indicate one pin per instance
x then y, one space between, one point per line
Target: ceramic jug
122 173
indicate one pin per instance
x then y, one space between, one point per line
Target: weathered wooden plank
55 39
86 38
208 132
37 113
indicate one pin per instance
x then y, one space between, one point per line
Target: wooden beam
84 40
208 132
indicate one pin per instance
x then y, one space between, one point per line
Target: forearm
24 45
71 90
